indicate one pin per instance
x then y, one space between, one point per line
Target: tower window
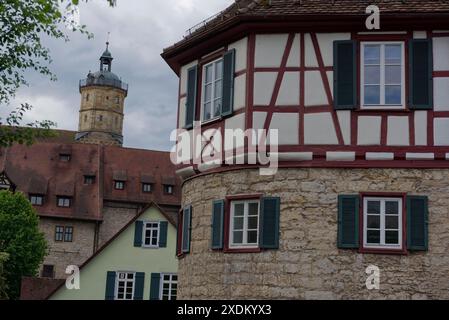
100 118
85 118
107 97
117 100
87 97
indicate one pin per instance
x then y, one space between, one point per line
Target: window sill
242 250
383 251
211 121
384 108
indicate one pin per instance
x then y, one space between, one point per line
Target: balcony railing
103 82
202 24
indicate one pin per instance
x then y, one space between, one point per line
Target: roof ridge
250 5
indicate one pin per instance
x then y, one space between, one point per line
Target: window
244 230
59 234
68 234
100 118
169 286
119 185
64 157
125 285
147 187
383 75
48 271
36 200
64 202
212 90
382 221
117 100
85 118
168 189
151 234
89 179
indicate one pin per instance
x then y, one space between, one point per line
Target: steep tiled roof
241 9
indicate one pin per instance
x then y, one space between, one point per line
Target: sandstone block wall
308 264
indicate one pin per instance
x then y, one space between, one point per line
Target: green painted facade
121 255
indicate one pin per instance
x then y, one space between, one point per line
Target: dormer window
36 199
89 179
212 90
168 189
64 157
119 185
382 75
147 187
64 202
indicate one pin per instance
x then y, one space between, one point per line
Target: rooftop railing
103 82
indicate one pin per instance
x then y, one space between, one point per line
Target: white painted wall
441 53
421 128
309 51
319 129
287 125
441 128
344 118
398 131
233 123
294 58
441 93
326 43
289 91
315 95
263 87
241 53
240 92
182 112
369 130
270 49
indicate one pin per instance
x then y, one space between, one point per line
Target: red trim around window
227 218
402 251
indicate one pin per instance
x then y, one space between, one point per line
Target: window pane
373 207
218 89
130 276
391 207
391 222
393 75
238 209
238 236
373 236
219 70
209 73
372 75
207 112
372 95
393 54
392 237
208 93
373 222
252 222
217 108
238 223
393 94
372 54
253 209
252 236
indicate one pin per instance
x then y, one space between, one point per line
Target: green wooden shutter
345 74
138 231
186 229
269 223
217 224
139 285
417 223
420 74
163 228
110 285
227 106
179 233
192 78
155 286
348 221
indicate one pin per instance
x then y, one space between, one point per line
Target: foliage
21 239
3 286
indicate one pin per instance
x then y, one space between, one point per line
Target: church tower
102 102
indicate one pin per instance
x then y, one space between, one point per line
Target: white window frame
382 104
203 90
145 228
170 282
382 244
117 280
35 197
244 244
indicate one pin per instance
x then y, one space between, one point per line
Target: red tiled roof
38 288
38 169
262 9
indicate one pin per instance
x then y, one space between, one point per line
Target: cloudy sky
140 29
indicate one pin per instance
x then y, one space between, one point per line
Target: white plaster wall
421 128
270 49
326 43
309 51
182 112
241 54
441 128
288 126
319 129
314 89
330 78
344 118
263 87
183 77
441 93
240 92
398 131
441 53
369 130
259 120
419 34
289 91
295 55
233 123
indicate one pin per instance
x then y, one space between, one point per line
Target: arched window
117 100
100 118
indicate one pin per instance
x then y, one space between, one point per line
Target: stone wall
115 217
308 264
63 254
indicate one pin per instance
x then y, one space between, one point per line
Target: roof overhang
213 37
